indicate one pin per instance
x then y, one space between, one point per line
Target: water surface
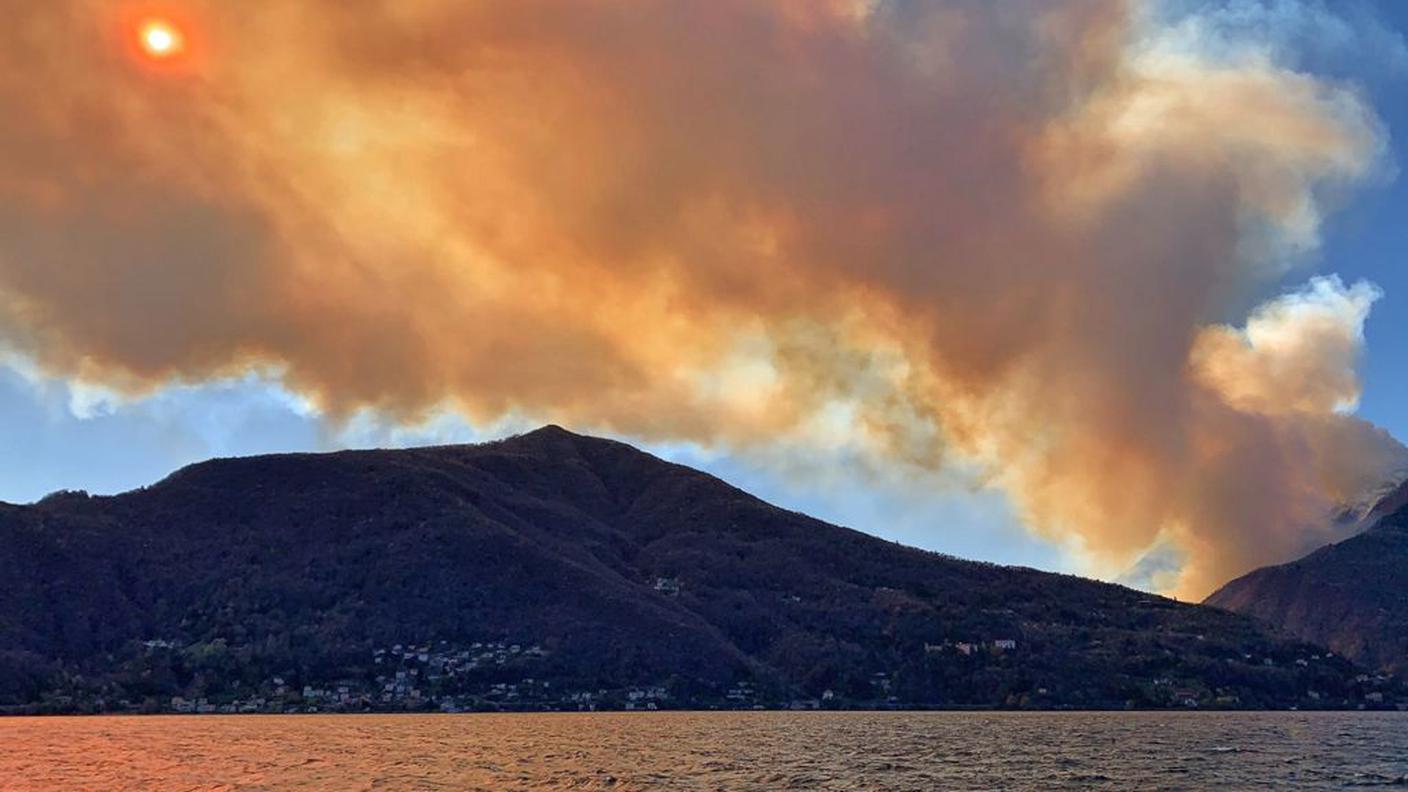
709 751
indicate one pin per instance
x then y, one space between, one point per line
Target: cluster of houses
744 696
409 676
433 676
413 675
646 698
496 675
741 694
439 661
969 648
275 700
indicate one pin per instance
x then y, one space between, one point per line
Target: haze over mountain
554 570
1351 596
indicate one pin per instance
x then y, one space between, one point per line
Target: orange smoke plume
1012 234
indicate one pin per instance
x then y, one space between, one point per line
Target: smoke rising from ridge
1020 236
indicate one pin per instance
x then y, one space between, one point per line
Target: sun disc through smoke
160 39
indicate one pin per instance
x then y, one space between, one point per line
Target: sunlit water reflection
713 751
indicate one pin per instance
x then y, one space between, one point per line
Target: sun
160 39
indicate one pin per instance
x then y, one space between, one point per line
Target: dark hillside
556 570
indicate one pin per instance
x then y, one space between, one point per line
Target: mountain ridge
555 571
1351 596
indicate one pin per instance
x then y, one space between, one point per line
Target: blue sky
1369 240
60 436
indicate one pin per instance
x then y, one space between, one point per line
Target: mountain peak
551 430
549 436
1391 508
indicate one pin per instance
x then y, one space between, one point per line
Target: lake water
709 751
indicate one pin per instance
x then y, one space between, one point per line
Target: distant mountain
553 570
1365 511
1351 596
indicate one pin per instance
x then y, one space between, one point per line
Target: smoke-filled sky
1093 285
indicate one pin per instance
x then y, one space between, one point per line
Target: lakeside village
496 676
443 677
